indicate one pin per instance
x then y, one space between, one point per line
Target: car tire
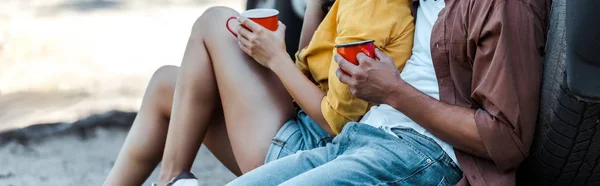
566 146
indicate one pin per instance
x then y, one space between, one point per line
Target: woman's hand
261 44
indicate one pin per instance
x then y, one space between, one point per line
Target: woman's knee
160 90
163 80
212 19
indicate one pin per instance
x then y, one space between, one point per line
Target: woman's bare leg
255 103
193 104
145 142
143 146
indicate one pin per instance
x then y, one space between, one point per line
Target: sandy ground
61 60
71 161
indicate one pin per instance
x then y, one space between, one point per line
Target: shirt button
437 45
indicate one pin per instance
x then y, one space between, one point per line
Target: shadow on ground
83 128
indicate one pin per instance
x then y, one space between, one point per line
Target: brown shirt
487 56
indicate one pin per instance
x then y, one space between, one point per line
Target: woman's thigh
254 101
217 141
216 138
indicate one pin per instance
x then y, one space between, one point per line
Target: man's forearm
453 124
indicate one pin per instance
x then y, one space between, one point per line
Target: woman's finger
254 27
244 48
245 33
281 28
245 42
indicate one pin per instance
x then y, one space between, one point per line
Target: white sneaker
183 179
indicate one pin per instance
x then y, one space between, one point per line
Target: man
471 86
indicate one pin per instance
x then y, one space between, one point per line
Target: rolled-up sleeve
506 81
390 24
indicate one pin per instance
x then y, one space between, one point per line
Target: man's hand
379 82
371 80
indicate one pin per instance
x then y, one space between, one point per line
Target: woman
241 108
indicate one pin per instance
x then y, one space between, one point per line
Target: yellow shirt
388 22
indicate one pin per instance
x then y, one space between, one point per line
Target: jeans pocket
412 131
444 182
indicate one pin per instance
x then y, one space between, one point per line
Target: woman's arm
307 95
313 17
337 106
268 49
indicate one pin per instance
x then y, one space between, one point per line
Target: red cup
350 50
268 18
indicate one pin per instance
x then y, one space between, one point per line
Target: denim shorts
298 133
362 155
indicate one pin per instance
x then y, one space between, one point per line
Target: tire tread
566 146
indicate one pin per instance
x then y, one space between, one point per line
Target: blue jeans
298 133
362 155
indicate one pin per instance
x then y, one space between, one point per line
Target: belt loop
278 142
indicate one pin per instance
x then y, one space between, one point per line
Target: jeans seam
346 140
320 142
283 143
285 150
412 131
443 181
445 158
411 175
449 160
414 149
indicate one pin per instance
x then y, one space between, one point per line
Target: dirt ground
69 160
61 60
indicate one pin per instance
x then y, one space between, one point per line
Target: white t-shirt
419 73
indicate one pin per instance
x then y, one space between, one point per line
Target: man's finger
379 54
383 57
343 77
337 58
363 59
346 65
251 25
